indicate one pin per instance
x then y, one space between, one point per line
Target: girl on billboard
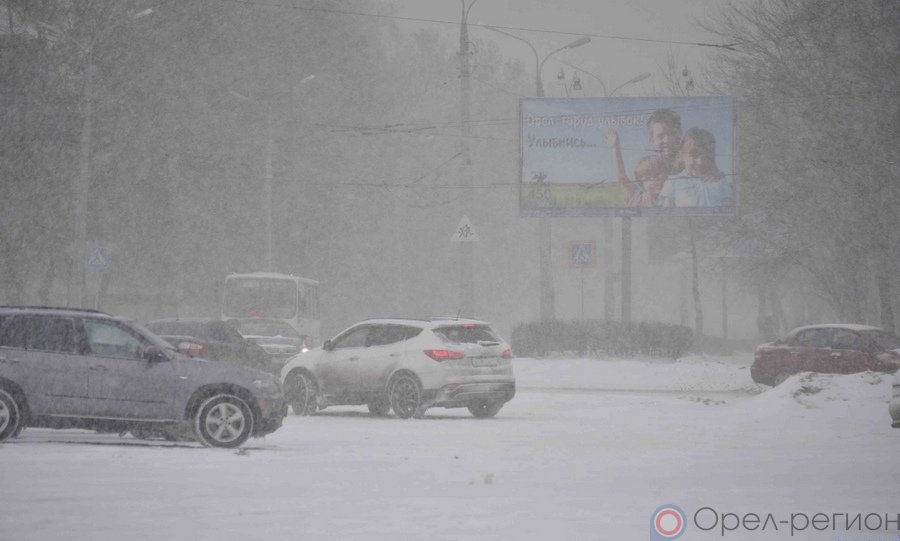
700 182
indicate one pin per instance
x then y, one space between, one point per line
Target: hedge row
597 338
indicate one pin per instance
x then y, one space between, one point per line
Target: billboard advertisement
670 156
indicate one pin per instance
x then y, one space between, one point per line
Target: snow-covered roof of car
434 321
185 320
68 311
848 326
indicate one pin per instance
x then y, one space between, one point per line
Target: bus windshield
255 297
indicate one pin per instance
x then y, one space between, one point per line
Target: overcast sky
629 25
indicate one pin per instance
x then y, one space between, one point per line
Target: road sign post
582 255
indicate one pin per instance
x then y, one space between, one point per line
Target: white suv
407 366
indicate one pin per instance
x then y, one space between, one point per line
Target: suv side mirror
328 345
154 355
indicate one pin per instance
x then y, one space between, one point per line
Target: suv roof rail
67 308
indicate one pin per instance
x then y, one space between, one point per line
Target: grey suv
73 368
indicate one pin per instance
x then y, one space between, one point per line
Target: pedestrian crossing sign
582 254
97 255
465 231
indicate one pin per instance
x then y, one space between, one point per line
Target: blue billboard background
567 165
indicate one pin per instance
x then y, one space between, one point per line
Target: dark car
833 349
72 368
211 339
276 337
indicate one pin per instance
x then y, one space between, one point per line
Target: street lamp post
545 233
467 199
626 220
268 153
267 195
78 278
626 235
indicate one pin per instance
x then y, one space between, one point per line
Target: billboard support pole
626 268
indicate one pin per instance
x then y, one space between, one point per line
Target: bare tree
816 87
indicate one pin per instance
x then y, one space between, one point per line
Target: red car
832 349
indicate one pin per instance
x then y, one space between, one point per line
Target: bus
274 296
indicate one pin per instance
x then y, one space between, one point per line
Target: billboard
627 156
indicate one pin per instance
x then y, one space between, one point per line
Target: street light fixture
539 64
635 79
547 311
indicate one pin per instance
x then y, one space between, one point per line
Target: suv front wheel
223 420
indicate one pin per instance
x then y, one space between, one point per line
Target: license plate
484 361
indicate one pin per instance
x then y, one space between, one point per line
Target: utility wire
728 46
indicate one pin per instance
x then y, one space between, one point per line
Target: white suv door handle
98 368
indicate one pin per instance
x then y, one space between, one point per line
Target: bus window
269 298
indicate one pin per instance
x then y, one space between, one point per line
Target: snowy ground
588 449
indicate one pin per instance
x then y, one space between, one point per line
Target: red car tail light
507 354
191 349
444 354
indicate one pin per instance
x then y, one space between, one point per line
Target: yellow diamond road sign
465 231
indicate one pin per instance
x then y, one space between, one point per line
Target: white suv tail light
444 354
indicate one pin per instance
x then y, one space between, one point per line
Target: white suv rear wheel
405 395
10 416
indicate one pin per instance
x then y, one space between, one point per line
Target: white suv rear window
466 333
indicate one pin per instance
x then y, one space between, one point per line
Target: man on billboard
651 172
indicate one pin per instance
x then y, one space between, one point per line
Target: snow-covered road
560 461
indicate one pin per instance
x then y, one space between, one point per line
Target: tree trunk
883 282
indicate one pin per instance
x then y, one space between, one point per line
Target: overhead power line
729 46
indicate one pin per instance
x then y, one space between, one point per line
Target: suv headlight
268 386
